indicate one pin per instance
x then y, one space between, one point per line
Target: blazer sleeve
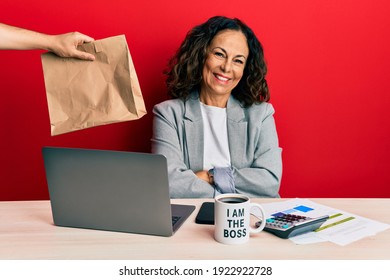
169 140
262 176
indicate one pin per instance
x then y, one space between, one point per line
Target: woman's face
225 63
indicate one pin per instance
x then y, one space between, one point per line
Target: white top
216 145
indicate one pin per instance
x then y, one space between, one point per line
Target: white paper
341 228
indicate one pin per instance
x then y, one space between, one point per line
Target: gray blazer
253 142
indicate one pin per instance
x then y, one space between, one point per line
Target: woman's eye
219 54
239 61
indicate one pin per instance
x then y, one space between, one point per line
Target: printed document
341 228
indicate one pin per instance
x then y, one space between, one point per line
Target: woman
218 133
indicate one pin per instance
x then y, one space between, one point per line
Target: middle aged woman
218 132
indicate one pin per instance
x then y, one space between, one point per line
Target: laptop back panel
109 190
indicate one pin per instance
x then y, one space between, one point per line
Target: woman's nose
226 66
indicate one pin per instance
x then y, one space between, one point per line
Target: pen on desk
335 223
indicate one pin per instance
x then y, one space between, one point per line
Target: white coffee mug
232 218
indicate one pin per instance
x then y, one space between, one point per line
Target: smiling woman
224 67
218 132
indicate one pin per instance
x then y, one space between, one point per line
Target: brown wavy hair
184 73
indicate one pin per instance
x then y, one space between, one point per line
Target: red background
328 75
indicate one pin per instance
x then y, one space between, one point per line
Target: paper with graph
341 228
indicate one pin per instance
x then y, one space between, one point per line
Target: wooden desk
27 232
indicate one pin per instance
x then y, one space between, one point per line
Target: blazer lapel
237 131
194 130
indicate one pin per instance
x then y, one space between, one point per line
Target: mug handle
262 225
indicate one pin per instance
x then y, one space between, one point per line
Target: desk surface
27 232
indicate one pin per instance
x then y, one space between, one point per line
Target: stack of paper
341 228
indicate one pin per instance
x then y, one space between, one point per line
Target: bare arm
64 45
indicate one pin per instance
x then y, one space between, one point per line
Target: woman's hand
204 175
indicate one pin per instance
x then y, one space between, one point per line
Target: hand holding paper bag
83 94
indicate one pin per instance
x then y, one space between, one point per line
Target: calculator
289 225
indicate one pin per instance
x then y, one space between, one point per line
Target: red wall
328 75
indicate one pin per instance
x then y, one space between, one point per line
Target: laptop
111 190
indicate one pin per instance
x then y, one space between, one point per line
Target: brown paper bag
83 94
